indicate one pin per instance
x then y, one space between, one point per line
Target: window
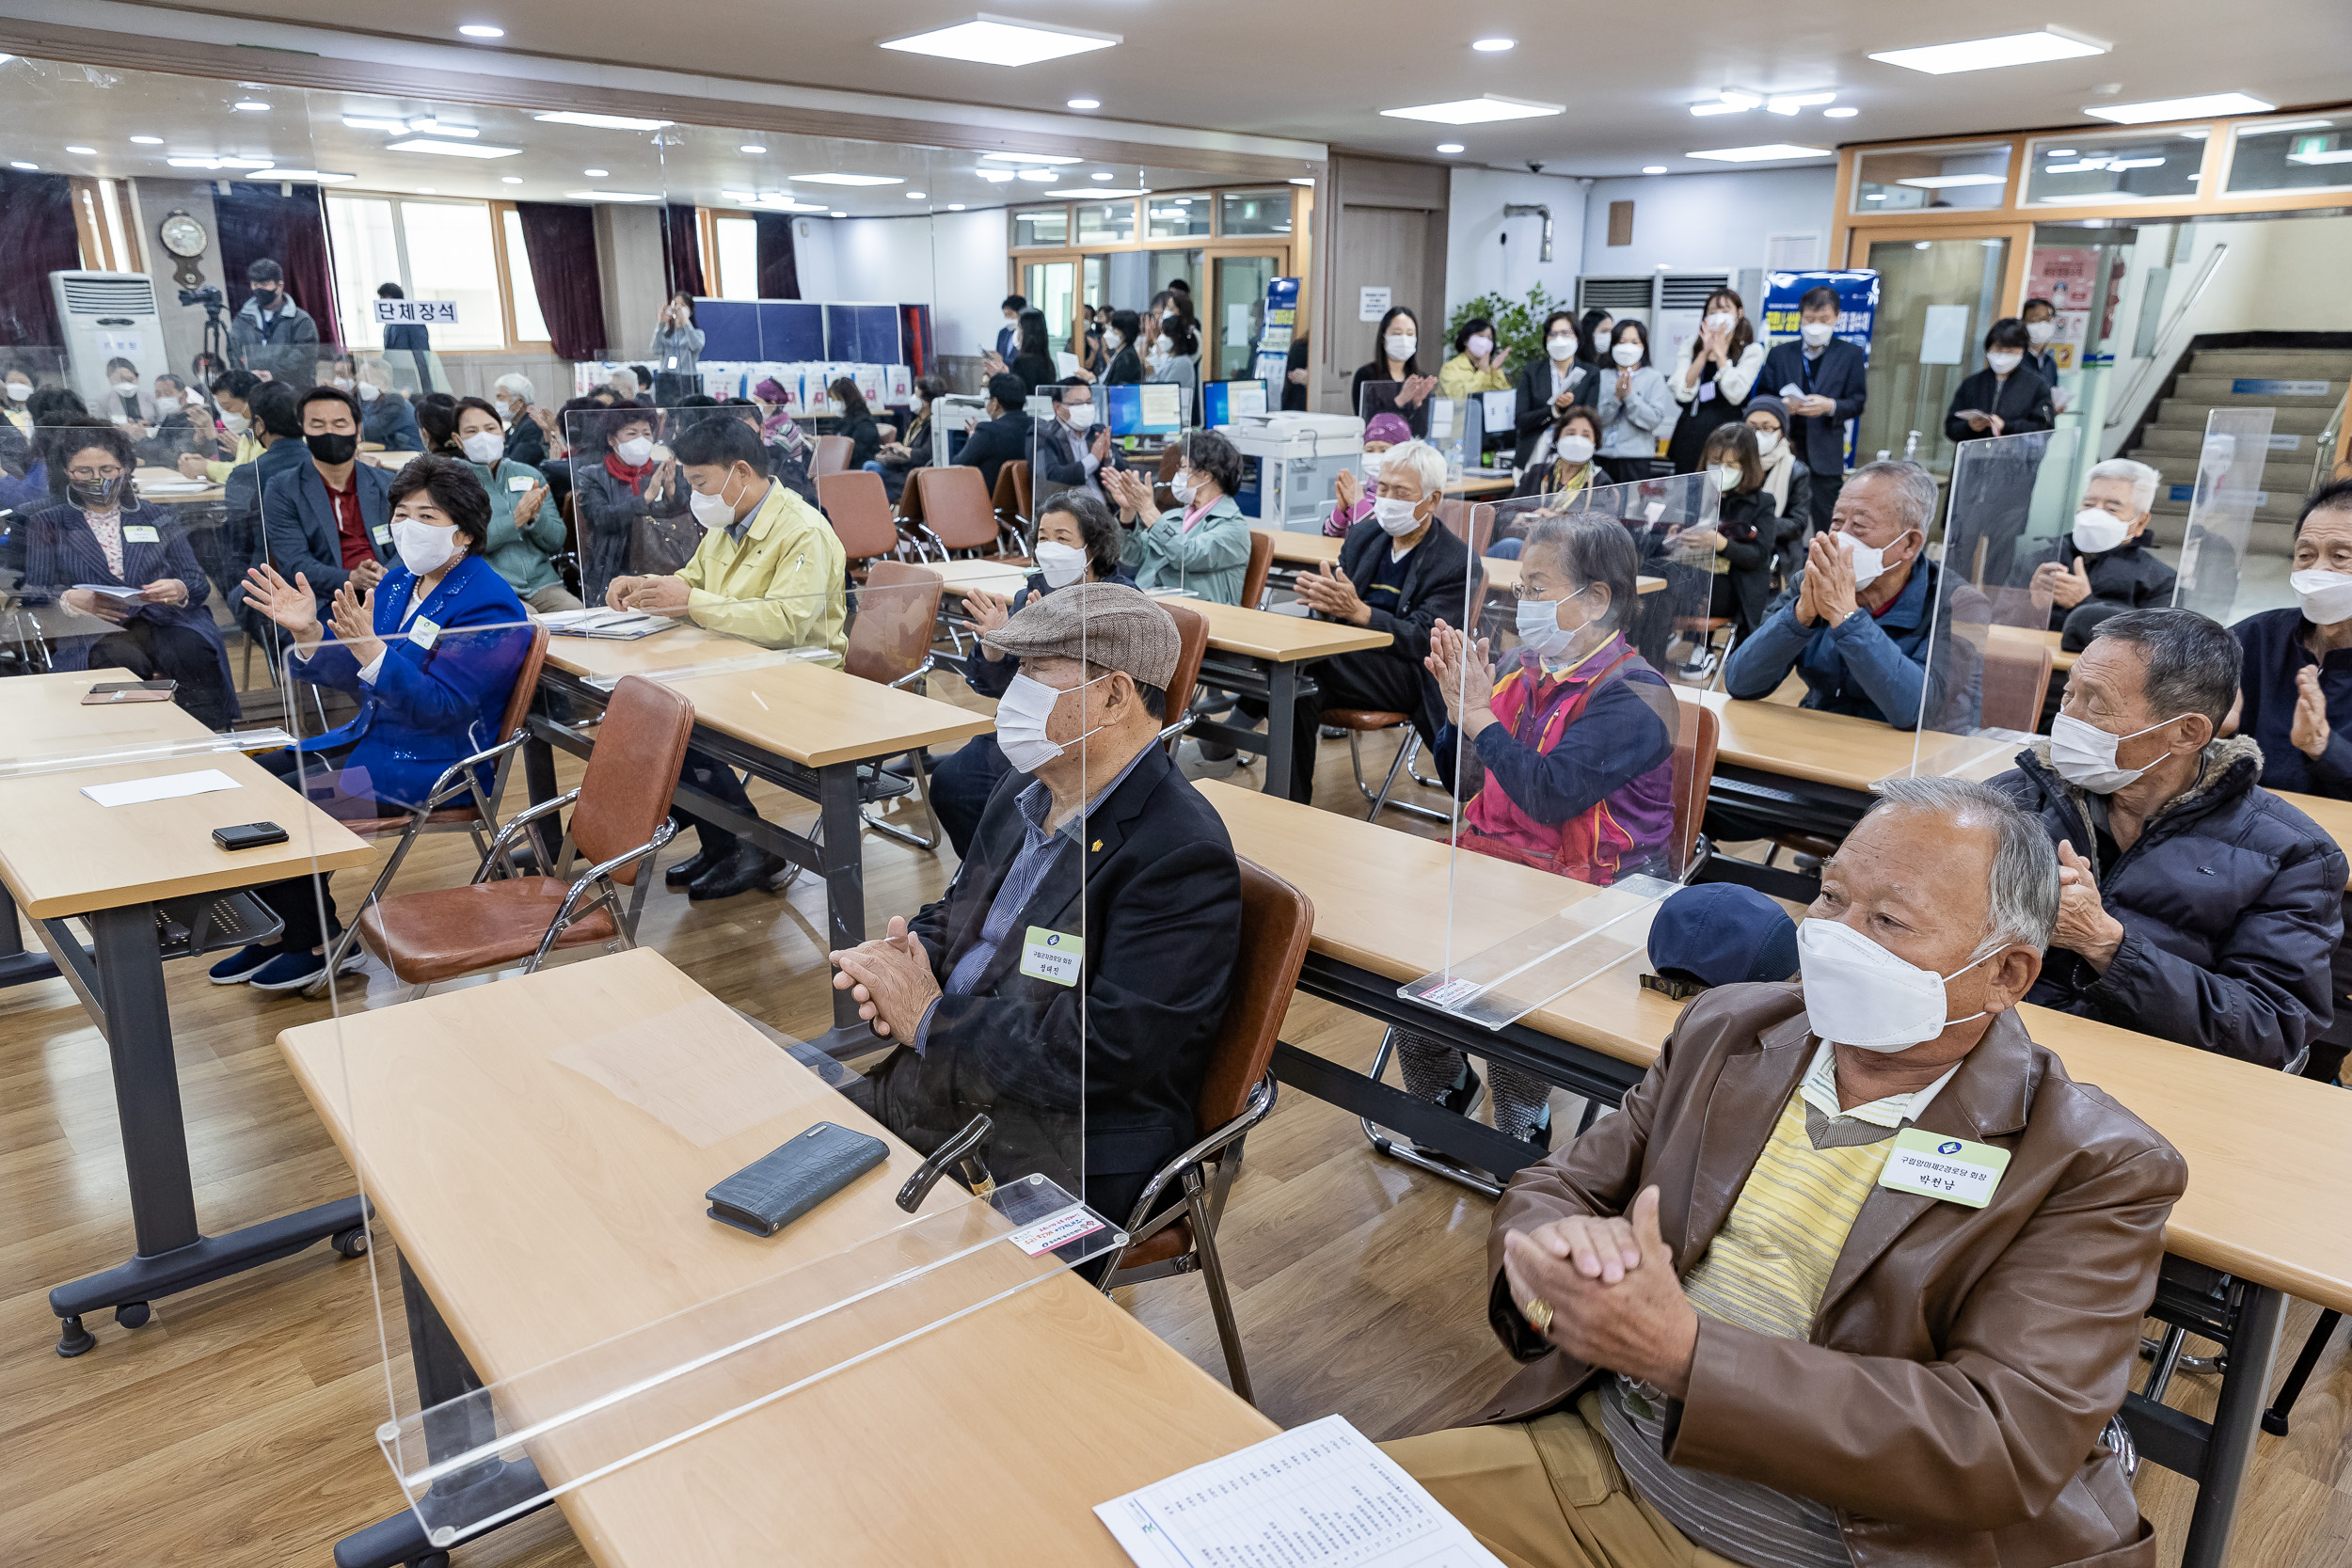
1106 222
2134 166
433 250
1919 178
739 255
1241 213
1179 218
1041 226
2291 154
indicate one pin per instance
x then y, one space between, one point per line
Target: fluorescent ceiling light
1477 111
2080 167
2336 156
1789 103
1085 104
2137 163
611 196
222 162
1053 158
510 179
1302 179
309 176
1839 114
1101 174
442 128
597 173
917 196
1760 153
846 179
452 148
1947 181
1140 190
2057 152
364 123
148 141
2180 108
1720 108
1448 148
250 105
602 123
15 163
86 152
1043 176
1655 168
836 214
427 190
482 30
750 146
1942 59
955 206
1494 46
994 176
986 39
782 202
2274 127
249 163
1875 196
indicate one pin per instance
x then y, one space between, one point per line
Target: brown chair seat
1172 1241
440 934
377 827
1364 718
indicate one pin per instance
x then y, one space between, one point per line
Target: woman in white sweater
1718 371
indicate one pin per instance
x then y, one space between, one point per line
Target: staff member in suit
1008 334
332 524
1108 843
1747 1338
1830 377
1126 366
1549 387
2005 398
103 535
431 652
1075 447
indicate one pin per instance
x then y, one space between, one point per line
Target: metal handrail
2158 355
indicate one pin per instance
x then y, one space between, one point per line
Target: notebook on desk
612 625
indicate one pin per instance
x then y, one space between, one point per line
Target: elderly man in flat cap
1093 849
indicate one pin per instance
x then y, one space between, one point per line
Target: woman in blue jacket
431 653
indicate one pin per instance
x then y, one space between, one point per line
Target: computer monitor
1227 401
1145 408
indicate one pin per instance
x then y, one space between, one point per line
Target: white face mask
2004 360
1816 334
166 401
369 391
1870 560
1628 353
1858 993
1060 564
1181 486
1540 629
1721 321
20 391
126 388
484 446
1767 443
634 451
2039 333
1576 449
1373 464
1164 345
2096 532
2084 754
423 547
1116 339
1479 346
713 512
1400 344
1398 517
1728 477
1081 414
237 423
2326 596
1600 339
1022 713
1561 348
344 382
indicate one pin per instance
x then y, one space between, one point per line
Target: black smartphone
249 835
130 692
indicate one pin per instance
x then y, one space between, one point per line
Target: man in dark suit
1005 435
277 429
1071 983
332 520
1012 307
1400 570
1823 380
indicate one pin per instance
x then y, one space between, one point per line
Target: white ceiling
1321 70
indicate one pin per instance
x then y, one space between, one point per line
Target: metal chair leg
1213 1274
923 794
2275 1418
1404 1153
1404 755
2167 1358
1407 750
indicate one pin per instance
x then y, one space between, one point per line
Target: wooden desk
989 1439
1303 549
1480 481
2266 1172
2059 658
961 575
150 476
1263 654
802 725
122 870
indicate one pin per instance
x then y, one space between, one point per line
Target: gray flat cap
1108 625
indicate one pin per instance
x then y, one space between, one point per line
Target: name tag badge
1936 1165
1055 956
381 533
1706 391
517 482
424 632
673 364
141 533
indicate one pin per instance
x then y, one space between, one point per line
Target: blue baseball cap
1719 934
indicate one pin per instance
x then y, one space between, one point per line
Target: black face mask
332 450
99 492
266 298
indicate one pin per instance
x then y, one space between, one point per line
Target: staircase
2230 378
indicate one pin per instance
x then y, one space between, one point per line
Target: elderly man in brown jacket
1857 1273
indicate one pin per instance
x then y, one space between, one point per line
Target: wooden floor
235 1427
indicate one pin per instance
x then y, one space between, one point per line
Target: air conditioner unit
1631 295
108 315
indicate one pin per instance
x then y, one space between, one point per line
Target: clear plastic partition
2009 534
1572 684
808 1090
1397 411
1069 446
2229 491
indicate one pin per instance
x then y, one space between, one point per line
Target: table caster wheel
352 1242
133 1314
72 1338
2274 1423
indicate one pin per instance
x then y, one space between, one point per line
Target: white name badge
673 364
140 534
424 632
1055 956
517 482
381 533
1935 1165
1706 391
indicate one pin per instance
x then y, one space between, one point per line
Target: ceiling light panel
1943 59
1794 103
2200 107
1763 154
985 39
602 123
846 179
1947 181
364 123
611 196
1477 111
452 148
442 128
1053 158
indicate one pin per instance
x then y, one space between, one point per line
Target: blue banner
1275 334
1857 311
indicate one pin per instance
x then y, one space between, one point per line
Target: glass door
1937 296
1237 315
1053 288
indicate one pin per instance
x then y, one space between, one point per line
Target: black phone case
787 1183
245 835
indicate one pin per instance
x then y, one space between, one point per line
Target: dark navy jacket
2231 905
61 552
2129 574
1841 374
298 521
2273 642
1871 667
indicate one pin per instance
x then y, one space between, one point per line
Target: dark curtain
682 252
779 270
37 236
561 242
256 221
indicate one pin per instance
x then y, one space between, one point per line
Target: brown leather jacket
1949 1400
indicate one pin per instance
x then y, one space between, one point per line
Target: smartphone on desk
130 692
249 835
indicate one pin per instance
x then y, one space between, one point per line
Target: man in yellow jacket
770 571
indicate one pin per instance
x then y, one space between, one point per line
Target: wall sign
392 312
1371 303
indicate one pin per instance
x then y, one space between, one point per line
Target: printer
1292 460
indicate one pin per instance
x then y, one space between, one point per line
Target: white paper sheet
109 590
166 786
1319 1497
1943 338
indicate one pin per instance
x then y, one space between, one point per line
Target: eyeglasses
93 476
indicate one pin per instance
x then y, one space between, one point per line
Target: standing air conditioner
108 315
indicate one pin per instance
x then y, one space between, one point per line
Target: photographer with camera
272 336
